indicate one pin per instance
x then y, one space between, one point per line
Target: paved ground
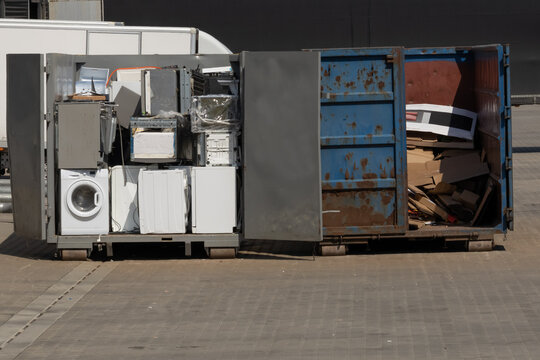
275 302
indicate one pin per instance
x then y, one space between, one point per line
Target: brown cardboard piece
418 175
467 198
443 188
457 168
419 155
415 138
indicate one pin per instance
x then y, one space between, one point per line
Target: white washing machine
84 203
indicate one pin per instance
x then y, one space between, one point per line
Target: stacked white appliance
84 207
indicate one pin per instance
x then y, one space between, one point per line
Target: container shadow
277 250
411 247
18 246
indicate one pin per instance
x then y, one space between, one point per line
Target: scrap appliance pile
448 177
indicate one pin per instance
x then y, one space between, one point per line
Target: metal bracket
509 213
506 60
508 163
507 113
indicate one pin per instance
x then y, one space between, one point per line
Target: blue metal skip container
363 133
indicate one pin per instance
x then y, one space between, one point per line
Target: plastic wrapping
214 113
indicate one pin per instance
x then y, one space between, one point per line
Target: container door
25 77
281 161
363 149
492 81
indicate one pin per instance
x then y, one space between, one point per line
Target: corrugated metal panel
363 142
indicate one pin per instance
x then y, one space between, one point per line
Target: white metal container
213 200
162 203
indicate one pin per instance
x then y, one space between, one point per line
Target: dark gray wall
297 24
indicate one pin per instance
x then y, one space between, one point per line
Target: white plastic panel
154 145
124 200
108 43
210 45
213 200
162 206
166 43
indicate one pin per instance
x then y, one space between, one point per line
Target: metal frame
231 240
208 240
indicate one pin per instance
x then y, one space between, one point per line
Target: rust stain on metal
347 175
338 79
349 155
381 85
355 167
352 125
364 163
386 197
383 172
369 176
355 209
368 82
378 129
327 176
393 173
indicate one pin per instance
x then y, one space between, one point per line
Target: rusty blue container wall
363 150
475 78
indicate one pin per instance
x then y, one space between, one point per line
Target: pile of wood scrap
447 184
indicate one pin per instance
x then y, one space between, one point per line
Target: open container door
492 82
363 150
25 81
281 161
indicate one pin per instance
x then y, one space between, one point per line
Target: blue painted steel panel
363 142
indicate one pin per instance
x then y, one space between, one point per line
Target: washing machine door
84 198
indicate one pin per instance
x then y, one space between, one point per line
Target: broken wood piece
415 224
482 203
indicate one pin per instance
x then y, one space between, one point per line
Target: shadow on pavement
27 248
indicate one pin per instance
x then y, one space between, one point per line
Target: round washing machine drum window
84 198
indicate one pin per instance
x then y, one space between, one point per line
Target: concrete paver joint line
46 309
23 328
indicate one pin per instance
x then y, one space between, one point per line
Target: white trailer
92 38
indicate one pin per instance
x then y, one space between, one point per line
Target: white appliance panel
213 200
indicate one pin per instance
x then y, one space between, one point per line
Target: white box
124 200
217 149
213 200
162 201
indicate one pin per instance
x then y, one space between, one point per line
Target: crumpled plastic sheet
214 113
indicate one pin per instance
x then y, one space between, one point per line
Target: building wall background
299 24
